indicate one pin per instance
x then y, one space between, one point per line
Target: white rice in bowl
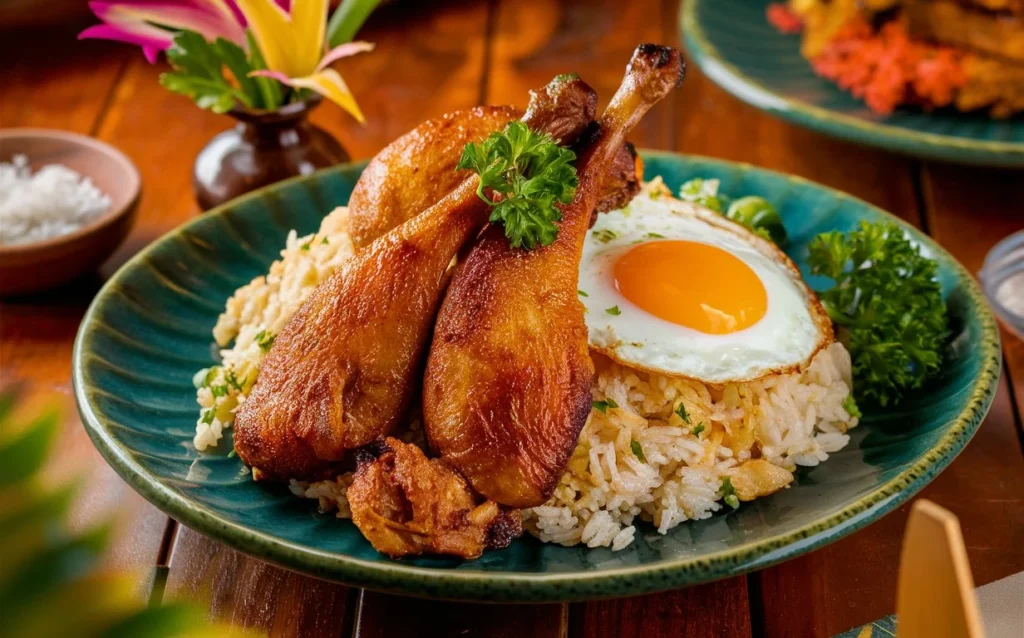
640 456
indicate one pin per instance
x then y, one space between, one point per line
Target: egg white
793 328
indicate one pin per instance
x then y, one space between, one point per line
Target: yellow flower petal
309 24
329 84
291 44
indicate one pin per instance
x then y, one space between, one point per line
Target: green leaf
233 57
269 89
888 307
60 562
614 310
697 430
681 411
198 74
24 454
532 173
164 621
7 400
638 450
729 493
37 511
348 18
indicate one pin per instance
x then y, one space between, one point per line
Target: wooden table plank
717 609
383 616
971 209
249 593
51 80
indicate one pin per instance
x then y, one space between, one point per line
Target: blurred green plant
51 580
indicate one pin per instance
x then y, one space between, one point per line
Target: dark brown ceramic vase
263 148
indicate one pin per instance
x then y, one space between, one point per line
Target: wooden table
450 55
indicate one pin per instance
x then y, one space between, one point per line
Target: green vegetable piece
232 380
265 340
199 378
604 235
269 89
638 451
614 310
851 407
582 293
681 411
604 405
703 192
207 416
757 214
888 306
532 173
729 494
697 430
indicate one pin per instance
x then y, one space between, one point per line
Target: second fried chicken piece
415 171
406 504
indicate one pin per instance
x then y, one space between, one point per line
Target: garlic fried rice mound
667 450
655 448
256 313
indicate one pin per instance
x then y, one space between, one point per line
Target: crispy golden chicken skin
406 504
415 171
343 370
507 386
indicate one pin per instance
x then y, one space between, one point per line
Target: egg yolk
692 284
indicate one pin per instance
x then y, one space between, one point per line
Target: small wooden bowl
45 264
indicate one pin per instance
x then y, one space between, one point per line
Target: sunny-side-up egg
674 288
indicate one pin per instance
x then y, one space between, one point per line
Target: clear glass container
1002 278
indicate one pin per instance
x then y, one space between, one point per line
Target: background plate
148 331
733 44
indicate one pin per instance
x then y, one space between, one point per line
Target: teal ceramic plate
732 42
148 331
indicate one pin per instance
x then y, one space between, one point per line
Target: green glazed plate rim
466 584
755 93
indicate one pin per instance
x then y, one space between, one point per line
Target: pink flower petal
273 75
211 18
143 35
343 51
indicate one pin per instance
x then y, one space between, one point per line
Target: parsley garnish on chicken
887 305
532 173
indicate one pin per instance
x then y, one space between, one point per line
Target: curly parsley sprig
532 173
887 304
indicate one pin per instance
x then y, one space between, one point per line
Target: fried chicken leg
507 385
415 171
405 504
343 370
